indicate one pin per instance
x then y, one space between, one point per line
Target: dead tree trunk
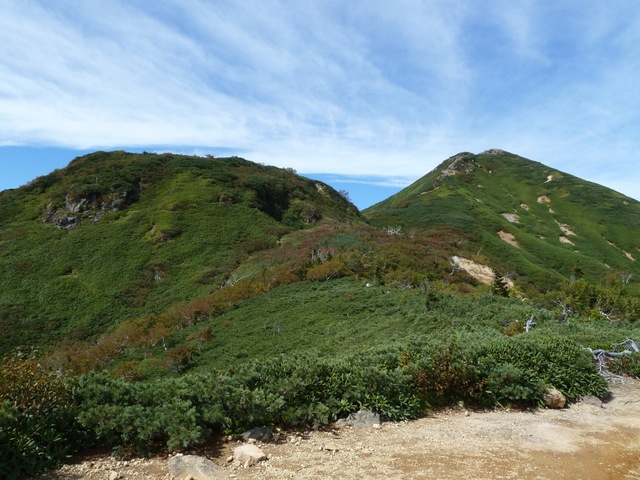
604 356
530 323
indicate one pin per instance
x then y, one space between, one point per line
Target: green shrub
399 382
37 424
626 365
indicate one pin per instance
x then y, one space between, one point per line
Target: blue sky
366 95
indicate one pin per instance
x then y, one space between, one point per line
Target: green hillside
556 223
149 301
117 235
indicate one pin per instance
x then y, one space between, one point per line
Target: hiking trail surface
584 441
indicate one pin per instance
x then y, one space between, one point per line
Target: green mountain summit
521 217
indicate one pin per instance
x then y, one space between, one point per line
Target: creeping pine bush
43 417
398 382
37 424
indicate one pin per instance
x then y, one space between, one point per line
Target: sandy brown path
581 442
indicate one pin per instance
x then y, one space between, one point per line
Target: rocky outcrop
77 207
195 468
461 163
494 151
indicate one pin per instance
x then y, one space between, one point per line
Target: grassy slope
504 183
342 316
191 224
197 222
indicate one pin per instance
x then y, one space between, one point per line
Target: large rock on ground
195 467
361 419
554 398
248 455
262 434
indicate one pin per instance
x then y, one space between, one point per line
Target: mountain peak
463 162
506 207
495 151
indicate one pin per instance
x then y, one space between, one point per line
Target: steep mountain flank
138 244
118 235
521 217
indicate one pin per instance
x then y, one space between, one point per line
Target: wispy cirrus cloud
346 88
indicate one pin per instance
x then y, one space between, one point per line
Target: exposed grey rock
248 455
494 151
76 205
262 434
361 419
554 398
195 467
461 163
64 220
591 400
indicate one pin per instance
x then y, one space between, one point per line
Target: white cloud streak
351 88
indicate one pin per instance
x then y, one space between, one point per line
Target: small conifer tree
500 287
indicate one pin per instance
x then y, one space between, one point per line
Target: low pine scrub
399 382
44 418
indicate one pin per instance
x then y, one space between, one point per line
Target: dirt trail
581 442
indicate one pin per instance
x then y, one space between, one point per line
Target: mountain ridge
182 296
533 205
118 242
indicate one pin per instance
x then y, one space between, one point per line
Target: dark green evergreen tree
500 287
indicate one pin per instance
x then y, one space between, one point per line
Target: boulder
554 398
194 467
248 455
361 419
261 434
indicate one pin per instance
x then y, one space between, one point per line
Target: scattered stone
262 434
113 475
376 426
248 454
194 467
252 441
591 400
554 398
330 447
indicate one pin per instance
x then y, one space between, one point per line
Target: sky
365 95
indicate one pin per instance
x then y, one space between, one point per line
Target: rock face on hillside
461 163
78 206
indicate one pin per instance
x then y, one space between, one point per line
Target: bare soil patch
509 238
512 217
581 442
482 273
